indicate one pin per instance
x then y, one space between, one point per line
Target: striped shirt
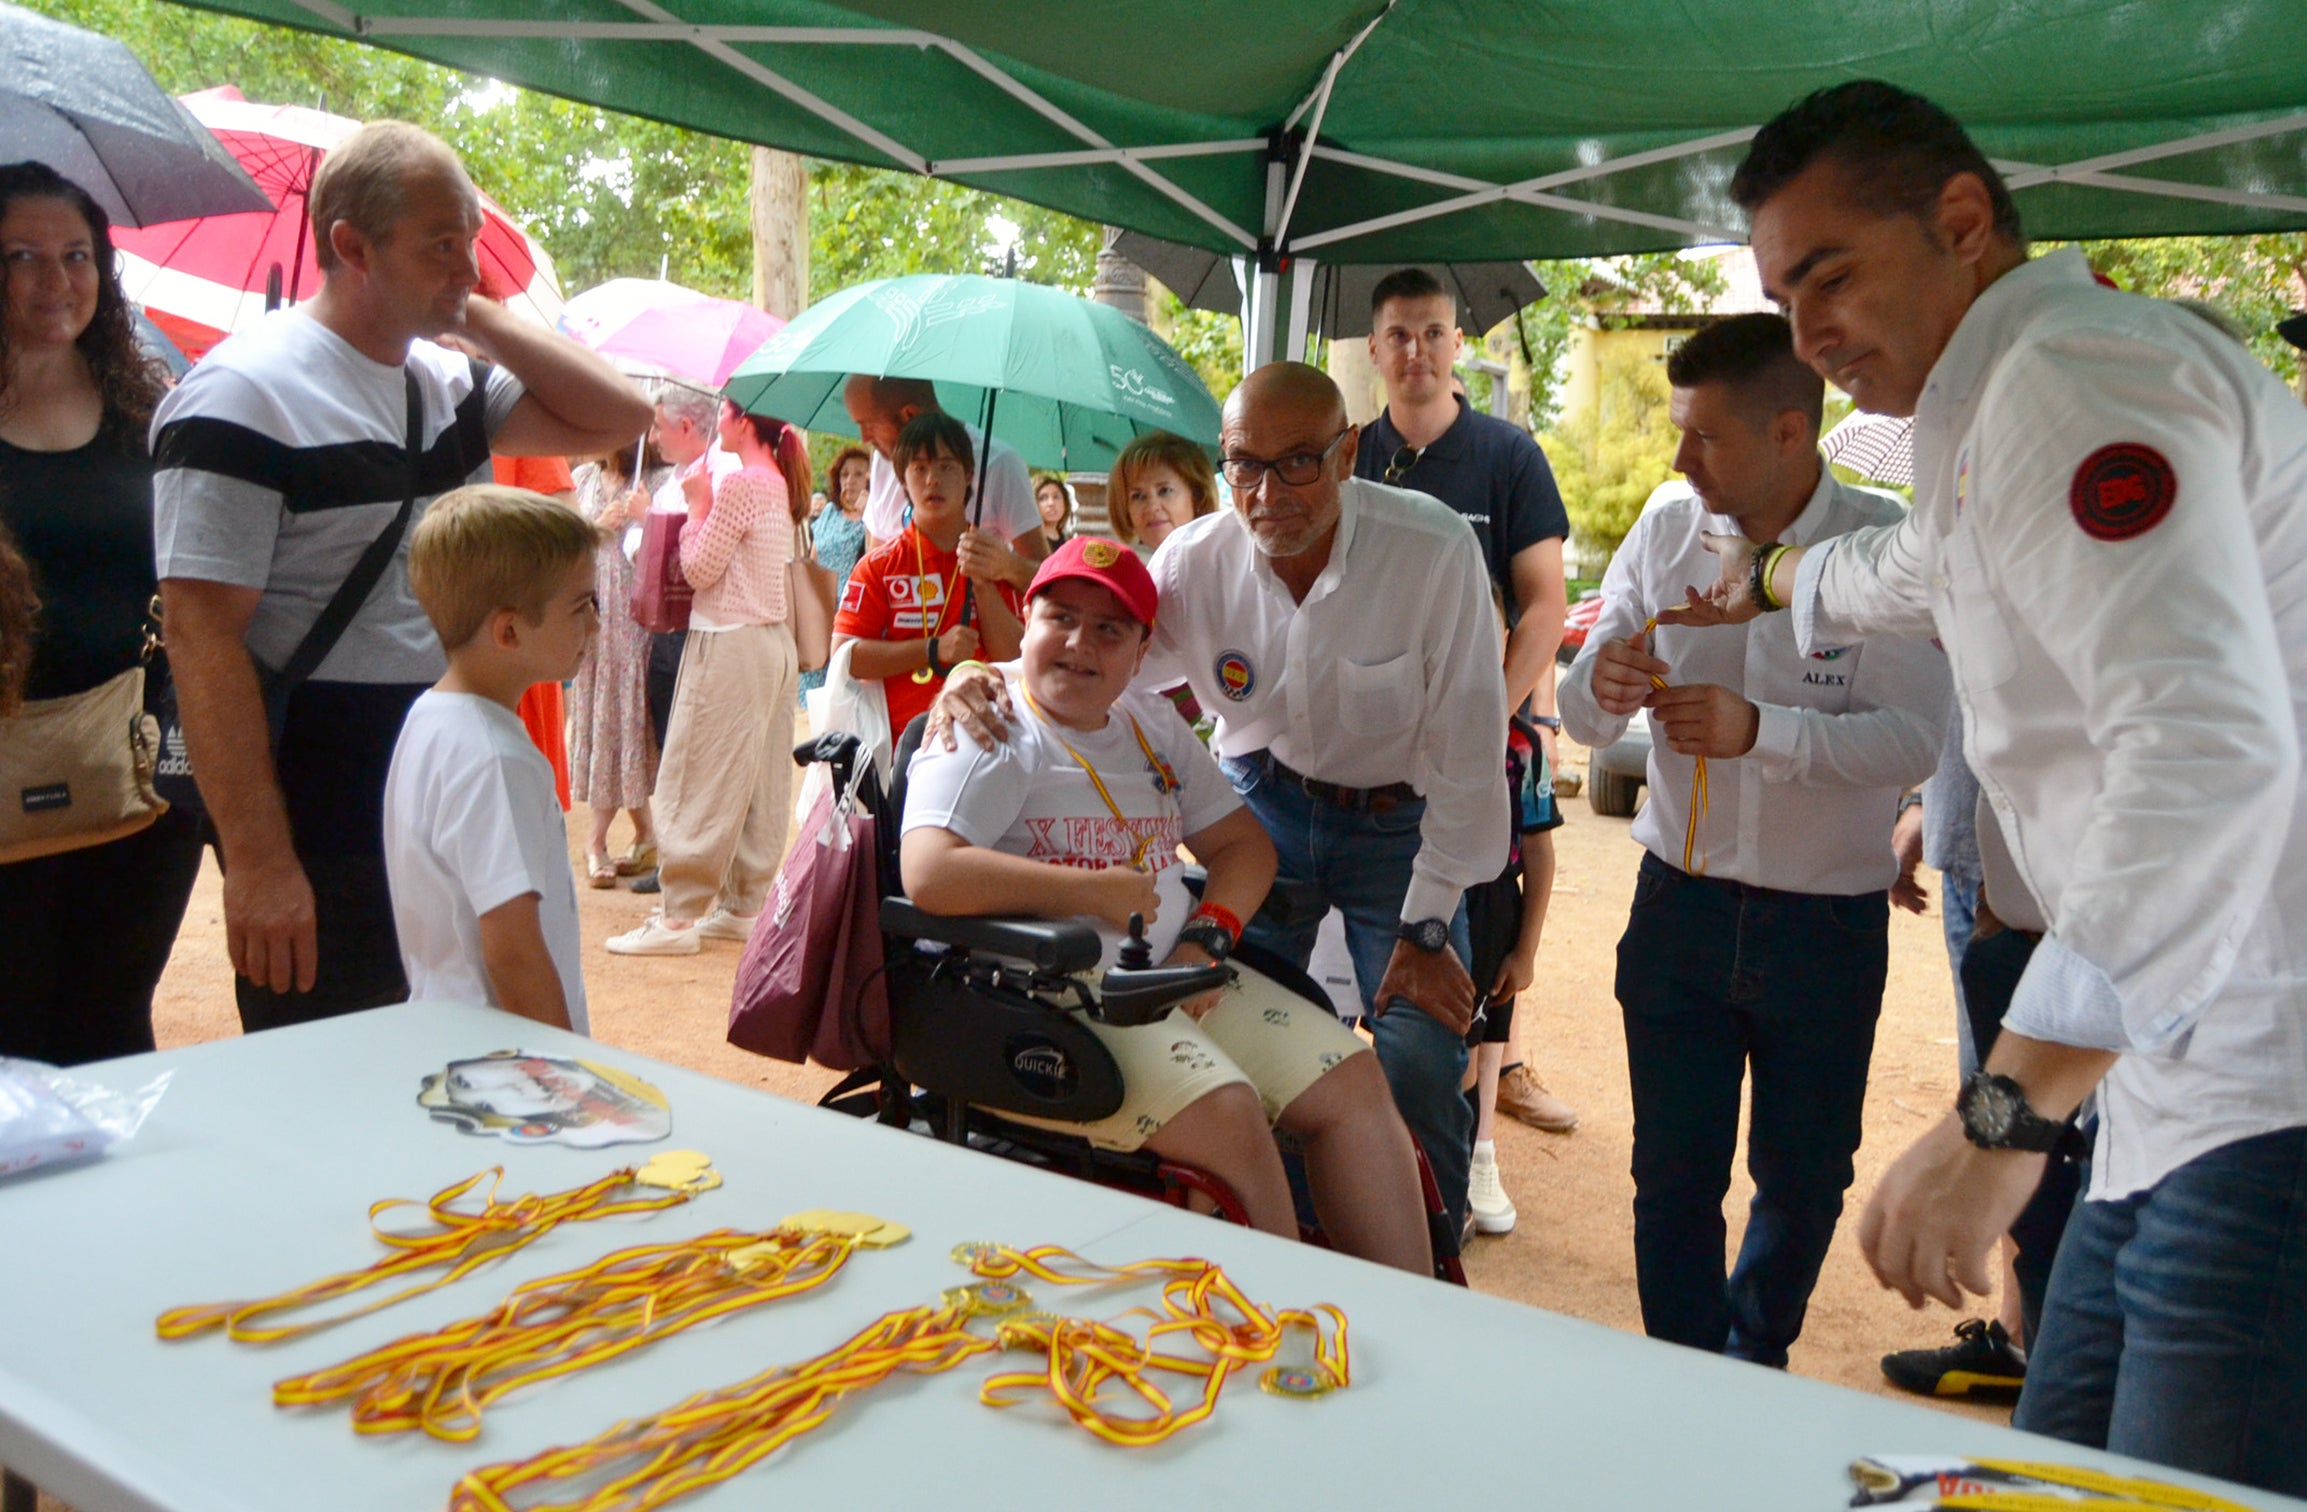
280 458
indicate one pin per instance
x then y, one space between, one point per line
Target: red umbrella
203 279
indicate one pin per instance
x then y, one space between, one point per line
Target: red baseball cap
1107 564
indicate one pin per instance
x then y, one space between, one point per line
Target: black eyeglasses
1403 461
1297 469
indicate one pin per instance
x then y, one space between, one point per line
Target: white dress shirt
1009 507
1390 671
1842 732
2134 698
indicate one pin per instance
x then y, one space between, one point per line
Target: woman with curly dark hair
19 610
84 934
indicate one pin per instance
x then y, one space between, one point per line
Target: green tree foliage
1609 458
1210 343
608 195
1589 292
2253 280
868 223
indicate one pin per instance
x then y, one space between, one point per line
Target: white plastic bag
844 703
48 1116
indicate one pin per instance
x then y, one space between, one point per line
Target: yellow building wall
1588 348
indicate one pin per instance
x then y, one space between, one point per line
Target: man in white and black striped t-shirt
279 460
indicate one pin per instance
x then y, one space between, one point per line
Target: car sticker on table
528 1098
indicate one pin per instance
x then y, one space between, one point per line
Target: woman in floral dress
613 763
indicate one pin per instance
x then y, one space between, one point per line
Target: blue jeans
1714 977
1360 863
1959 912
2176 1327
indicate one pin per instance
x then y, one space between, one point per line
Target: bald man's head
1292 414
1281 388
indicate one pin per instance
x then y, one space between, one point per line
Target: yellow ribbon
558 1325
647 1462
1159 767
1693 859
458 1243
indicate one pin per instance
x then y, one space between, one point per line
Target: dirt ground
1573 1249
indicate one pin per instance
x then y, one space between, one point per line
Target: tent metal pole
763 75
1528 191
1091 155
1320 100
1301 309
334 14
1050 111
2178 147
2167 188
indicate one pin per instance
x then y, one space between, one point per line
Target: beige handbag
77 771
810 594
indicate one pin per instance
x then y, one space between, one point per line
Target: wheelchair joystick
1135 953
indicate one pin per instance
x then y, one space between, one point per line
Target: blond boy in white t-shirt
1079 814
483 894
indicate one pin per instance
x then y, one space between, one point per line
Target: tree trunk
780 232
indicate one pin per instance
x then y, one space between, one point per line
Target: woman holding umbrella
85 933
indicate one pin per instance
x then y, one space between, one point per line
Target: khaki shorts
1261 1033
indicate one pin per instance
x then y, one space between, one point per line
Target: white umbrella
1880 447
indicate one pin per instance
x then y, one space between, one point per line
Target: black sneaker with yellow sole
1982 1363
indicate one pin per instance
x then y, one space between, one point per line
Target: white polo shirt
1390 671
2110 536
1842 730
1009 507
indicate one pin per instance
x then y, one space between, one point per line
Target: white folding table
255 1172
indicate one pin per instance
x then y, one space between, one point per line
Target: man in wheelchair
1080 815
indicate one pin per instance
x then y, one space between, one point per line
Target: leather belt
1376 800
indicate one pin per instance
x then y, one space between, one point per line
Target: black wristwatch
1548 721
1214 939
1430 935
1997 1116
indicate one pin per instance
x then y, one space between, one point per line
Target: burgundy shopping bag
661 591
811 984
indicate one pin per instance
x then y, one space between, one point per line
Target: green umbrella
1066 382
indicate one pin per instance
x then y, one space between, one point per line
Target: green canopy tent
1299 131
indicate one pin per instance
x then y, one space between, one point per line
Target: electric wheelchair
992 1024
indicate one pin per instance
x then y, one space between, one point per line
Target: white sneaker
656 937
1485 1197
721 924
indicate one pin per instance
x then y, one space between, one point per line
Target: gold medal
688 1171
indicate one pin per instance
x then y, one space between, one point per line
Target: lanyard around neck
1164 778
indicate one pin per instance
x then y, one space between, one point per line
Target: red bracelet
1223 917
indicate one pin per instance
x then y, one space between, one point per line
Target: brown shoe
1523 1096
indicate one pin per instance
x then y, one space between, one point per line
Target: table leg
16 1493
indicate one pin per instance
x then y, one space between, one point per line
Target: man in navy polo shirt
1489 470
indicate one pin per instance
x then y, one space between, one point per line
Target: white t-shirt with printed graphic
1029 797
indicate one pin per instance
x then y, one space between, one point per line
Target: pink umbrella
203 279
649 323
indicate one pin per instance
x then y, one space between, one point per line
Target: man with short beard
1341 633
2108 537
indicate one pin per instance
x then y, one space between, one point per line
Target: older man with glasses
1341 633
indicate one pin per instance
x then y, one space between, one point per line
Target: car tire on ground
1610 793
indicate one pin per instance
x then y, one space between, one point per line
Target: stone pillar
1357 376
1120 282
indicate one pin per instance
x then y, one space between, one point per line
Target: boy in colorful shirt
933 598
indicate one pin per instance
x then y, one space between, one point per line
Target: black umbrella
83 105
1487 292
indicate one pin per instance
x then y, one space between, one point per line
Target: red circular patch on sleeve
2122 491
